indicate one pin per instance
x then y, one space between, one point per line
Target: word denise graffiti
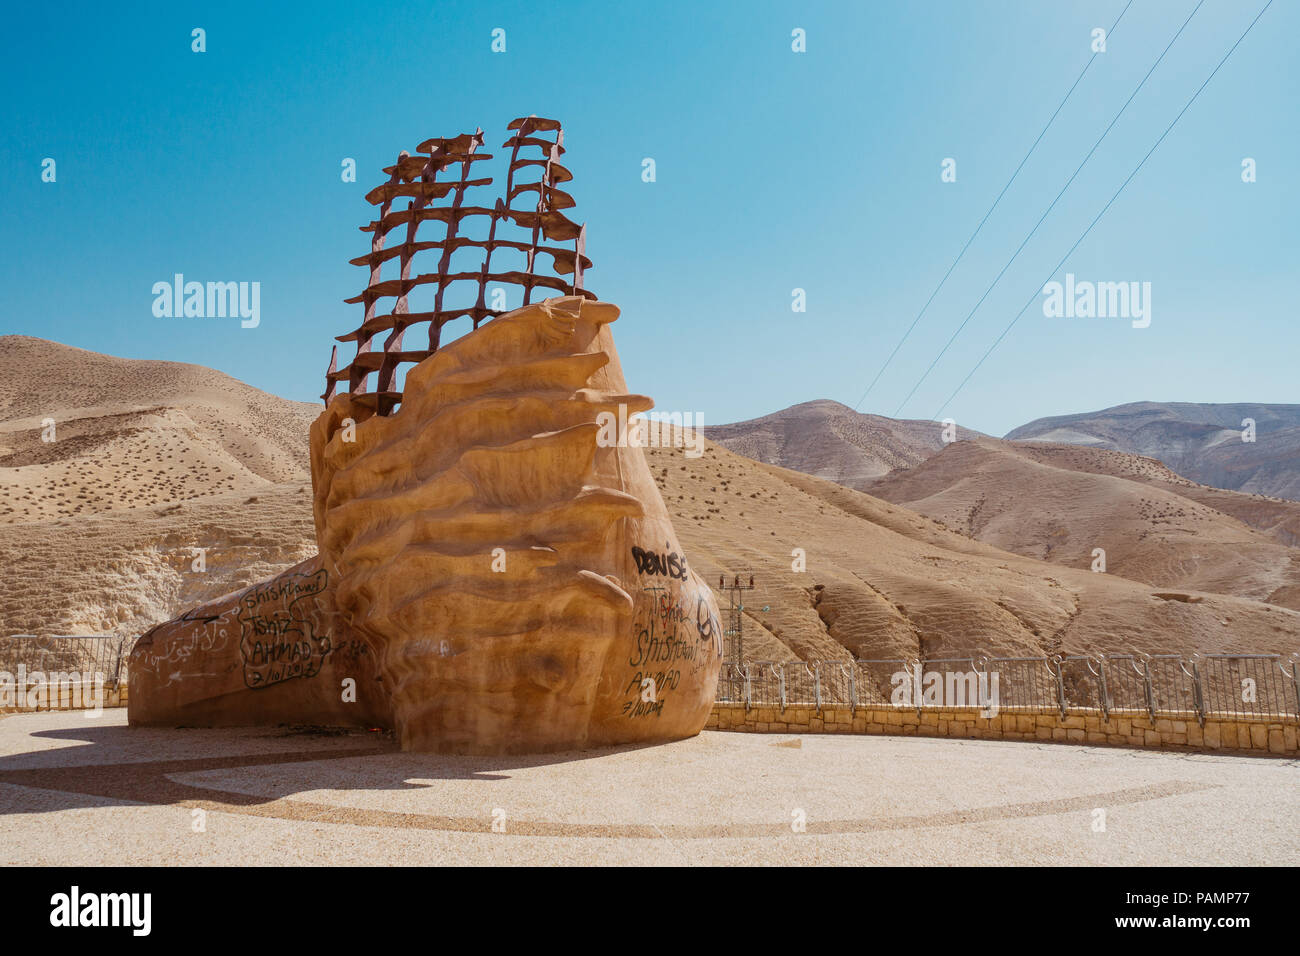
282 633
649 562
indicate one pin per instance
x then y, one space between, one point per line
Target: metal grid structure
415 178
1163 685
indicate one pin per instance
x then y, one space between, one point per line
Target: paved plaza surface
88 791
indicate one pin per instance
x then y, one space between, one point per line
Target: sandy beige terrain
131 434
1278 517
75 792
150 461
881 580
1061 502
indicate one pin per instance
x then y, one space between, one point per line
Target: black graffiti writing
666 610
661 680
273 626
643 708
284 634
671 564
291 588
707 625
653 649
351 650
275 652
669 636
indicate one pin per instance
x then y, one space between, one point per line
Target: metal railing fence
1159 685
85 655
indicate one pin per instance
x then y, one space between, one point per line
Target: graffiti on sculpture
282 634
646 689
665 638
197 634
680 634
432 452
349 653
672 564
708 625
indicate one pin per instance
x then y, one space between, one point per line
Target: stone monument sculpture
497 570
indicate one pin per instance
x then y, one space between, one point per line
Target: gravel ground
81 791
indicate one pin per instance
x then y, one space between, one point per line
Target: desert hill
1199 441
134 434
1278 517
881 580
1060 502
830 440
123 571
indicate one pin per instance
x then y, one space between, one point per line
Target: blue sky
775 170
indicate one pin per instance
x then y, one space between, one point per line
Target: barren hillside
880 579
130 434
1065 503
884 581
1200 441
832 441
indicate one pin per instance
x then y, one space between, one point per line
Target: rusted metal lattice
415 178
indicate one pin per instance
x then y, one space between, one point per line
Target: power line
987 214
998 340
1048 210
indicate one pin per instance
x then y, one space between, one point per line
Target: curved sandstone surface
502 552
272 653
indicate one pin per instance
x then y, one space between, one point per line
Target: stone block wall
1232 733
66 697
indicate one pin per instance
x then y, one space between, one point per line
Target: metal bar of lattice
499 212
1294 675
416 177
1100 672
917 679
982 677
330 382
1146 686
359 375
580 250
453 226
1105 690
542 208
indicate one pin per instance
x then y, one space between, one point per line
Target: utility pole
733 638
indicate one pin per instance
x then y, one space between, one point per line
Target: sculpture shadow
110 770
